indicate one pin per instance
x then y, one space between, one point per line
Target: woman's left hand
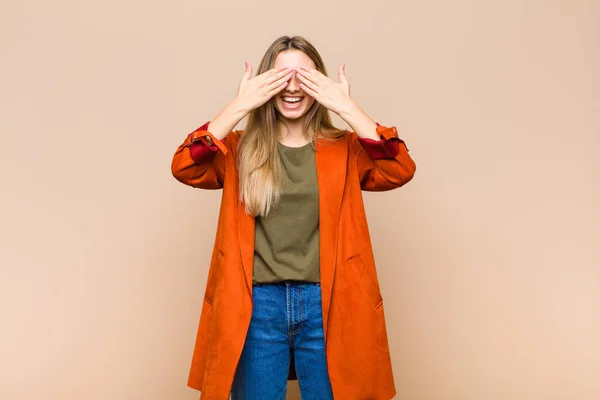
335 96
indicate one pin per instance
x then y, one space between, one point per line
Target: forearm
227 119
359 121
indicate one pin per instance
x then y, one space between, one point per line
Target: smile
292 103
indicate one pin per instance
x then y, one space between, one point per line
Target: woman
292 289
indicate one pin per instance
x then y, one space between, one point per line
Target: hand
254 92
335 96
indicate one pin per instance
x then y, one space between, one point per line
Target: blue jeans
286 316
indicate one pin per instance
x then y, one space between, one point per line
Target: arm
200 160
383 164
382 157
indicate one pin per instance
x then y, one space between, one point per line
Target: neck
291 132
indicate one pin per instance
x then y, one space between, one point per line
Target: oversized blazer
356 341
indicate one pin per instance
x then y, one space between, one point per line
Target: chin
291 116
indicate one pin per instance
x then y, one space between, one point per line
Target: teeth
292 99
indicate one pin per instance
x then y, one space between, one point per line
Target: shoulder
232 139
351 138
343 135
235 134
339 137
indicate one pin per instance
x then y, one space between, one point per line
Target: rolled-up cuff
387 147
200 150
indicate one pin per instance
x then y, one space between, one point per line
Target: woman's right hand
254 92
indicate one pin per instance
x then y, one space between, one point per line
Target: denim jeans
286 317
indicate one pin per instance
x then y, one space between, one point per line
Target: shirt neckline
294 148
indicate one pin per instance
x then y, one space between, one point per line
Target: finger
278 76
309 91
313 86
300 74
272 71
277 89
342 74
313 74
248 72
279 81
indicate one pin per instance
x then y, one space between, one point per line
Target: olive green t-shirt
287 239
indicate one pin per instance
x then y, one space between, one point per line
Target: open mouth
292 102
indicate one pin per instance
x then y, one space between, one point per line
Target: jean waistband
286 282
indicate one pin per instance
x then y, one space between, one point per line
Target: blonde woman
292 289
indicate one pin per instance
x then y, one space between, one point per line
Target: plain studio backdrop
489 259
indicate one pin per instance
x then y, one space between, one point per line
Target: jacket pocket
213 273
365 281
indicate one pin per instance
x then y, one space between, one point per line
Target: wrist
359 121
238 107
349 110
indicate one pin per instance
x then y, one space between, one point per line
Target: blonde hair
259 165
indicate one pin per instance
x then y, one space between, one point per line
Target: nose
293 84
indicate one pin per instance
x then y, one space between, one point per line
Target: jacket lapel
331 158
246 238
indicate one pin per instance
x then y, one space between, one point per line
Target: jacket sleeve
200 164
383 164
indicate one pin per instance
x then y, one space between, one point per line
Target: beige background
489 259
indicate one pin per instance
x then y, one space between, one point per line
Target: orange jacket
357 352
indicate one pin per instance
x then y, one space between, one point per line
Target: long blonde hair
259 164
